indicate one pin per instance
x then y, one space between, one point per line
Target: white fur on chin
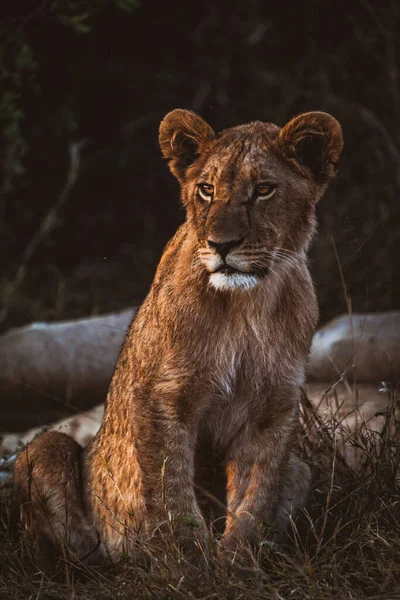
233 281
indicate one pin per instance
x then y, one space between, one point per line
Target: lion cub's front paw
185 544
193 539
186 537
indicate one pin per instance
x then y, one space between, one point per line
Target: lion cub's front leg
261 475
165 453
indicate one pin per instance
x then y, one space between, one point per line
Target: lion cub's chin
233 281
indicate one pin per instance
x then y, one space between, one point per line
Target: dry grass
346 544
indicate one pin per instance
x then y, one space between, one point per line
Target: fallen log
48 370
360 347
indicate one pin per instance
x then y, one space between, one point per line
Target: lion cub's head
250 191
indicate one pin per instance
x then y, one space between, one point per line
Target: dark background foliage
106 72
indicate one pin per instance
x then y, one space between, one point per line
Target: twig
45 228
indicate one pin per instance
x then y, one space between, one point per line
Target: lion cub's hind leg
296 485
48 477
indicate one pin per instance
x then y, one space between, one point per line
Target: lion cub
204 401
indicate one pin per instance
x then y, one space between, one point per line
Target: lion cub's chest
240 352
240 366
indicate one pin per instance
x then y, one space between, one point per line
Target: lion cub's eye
206 191
265 190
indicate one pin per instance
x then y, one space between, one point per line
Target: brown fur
207 385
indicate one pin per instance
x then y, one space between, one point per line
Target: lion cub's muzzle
228 267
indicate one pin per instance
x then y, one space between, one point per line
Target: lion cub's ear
314 139
183 135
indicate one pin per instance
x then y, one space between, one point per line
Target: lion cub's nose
224 248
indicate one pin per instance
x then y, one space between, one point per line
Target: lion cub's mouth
229 278
227 270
